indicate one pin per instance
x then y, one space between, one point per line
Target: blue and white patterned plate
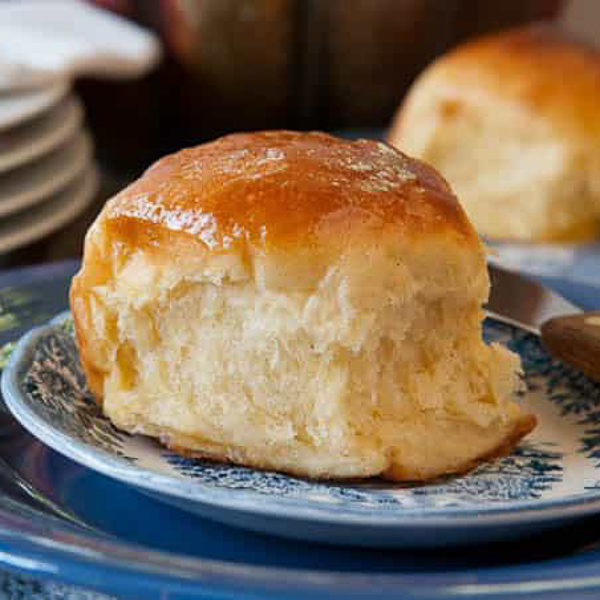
551 479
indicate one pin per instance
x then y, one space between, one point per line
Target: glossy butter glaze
279 189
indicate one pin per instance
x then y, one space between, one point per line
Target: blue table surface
15 586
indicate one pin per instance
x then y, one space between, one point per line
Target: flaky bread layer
342 382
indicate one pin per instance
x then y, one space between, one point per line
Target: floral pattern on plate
54 388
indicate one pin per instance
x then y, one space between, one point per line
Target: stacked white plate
47 173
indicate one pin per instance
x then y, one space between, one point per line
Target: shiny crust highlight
275 190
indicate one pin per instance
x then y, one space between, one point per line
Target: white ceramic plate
35 181
58 210
550 480
16 108
45 132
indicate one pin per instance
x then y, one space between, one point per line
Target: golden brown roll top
540 67
279 189
281 205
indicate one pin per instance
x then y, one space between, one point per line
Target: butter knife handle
575 339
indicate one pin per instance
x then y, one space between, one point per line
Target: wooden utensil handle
575 339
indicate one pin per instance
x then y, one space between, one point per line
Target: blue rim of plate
576 505
131 568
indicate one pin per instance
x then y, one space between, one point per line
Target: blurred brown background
303 64
254 64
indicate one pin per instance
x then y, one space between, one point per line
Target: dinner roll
297 302
512 120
